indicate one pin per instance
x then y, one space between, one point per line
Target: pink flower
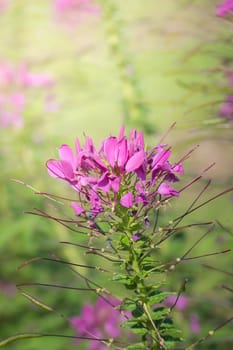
99 321
121 173
225 8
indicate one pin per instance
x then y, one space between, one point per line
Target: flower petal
67 154
122 155
135 161
77 208
55 169
110 145
127 200
166 190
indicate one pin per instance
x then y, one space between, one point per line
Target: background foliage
176 53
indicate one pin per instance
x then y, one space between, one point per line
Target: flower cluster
225 8
14 81
122 173
99 321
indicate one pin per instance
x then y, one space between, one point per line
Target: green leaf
133 323
37 302
130 285
170 331
158 297
19 337
124 243
160 313
148 263
170 344
139 330
129 304
120 278
138 311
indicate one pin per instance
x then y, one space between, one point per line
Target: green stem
158 336
135 111
157 342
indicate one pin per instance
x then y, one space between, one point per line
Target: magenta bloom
225 8
122 173
100 320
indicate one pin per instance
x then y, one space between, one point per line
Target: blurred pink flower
225 8
35 80
21 76
72 11
11 109
181 304
99 321
194 324
14 82
6 73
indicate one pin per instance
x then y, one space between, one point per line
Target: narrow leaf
37 302
18 337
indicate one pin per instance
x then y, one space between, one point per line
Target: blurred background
75 68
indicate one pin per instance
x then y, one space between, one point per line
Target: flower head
121 175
